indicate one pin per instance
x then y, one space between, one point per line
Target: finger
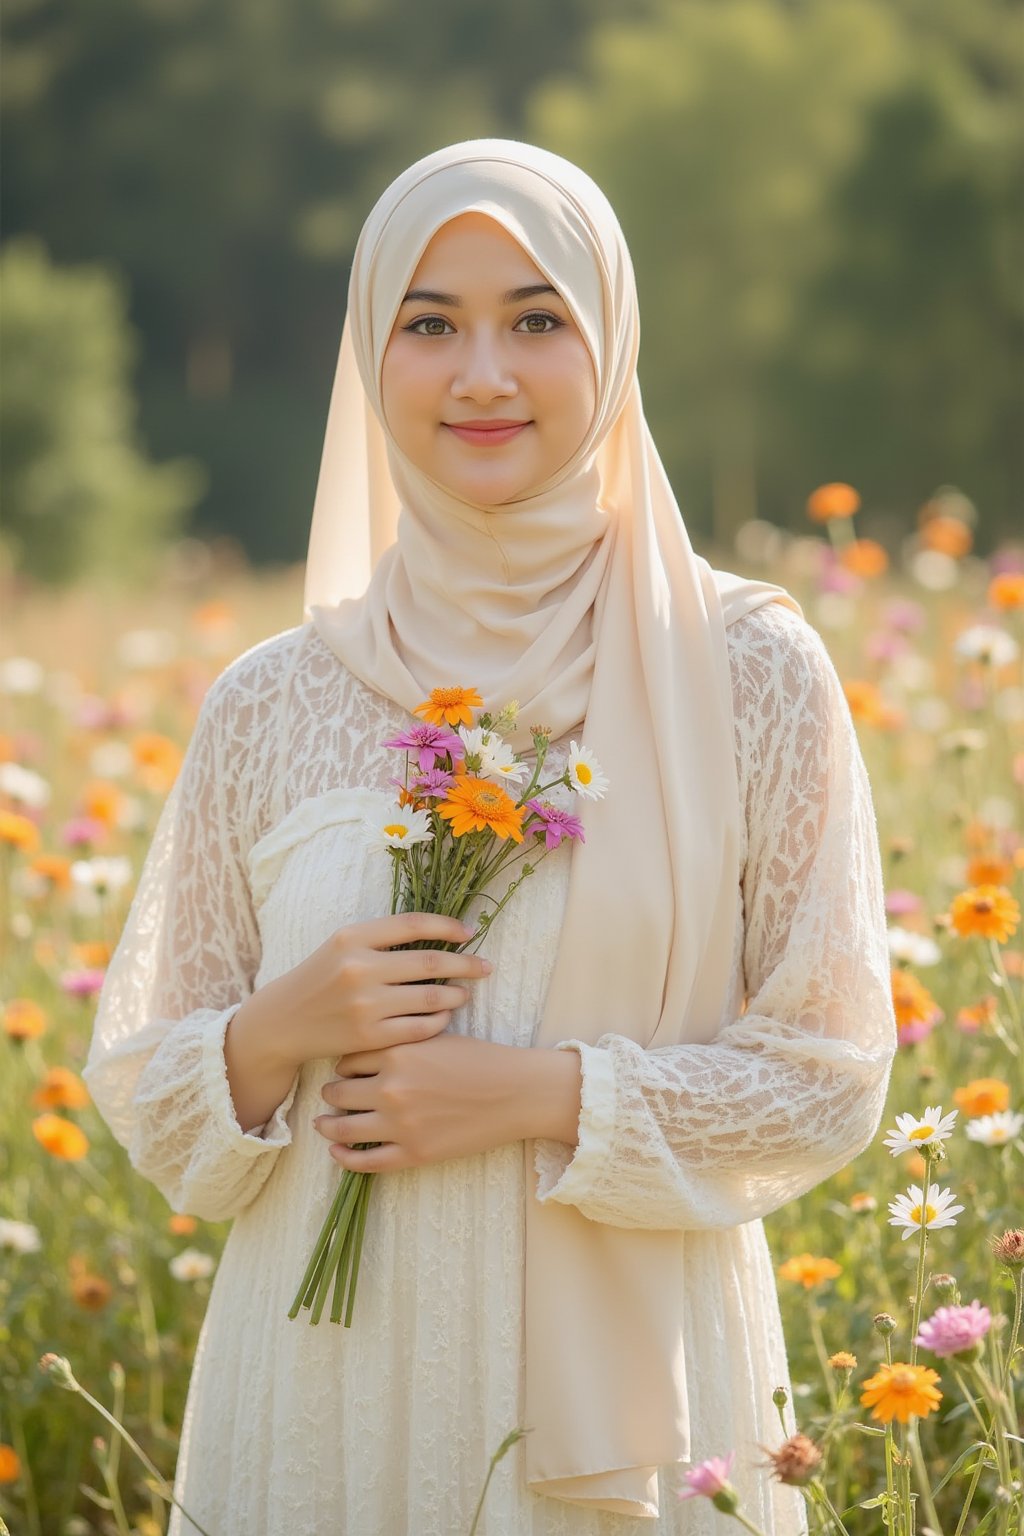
405 965
410 928
350 1130
419 997
345 1093
387 1158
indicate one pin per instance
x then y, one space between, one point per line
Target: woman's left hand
449 1096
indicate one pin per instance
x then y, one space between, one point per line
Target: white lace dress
386 1429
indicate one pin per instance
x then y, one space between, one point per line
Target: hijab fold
585 602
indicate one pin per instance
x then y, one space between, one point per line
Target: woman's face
472 349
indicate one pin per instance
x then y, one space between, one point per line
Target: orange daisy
990 871
836 499
982 1096
913 1002
809 1271
102 801
474 805
24 1019
60 1137
93 954
61 1089
180 1224
986 910
54 868
450 706
157 759
1007 590
898 1391
949 535
19 831
10 1466
865 701
864 557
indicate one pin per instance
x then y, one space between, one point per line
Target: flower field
901 1278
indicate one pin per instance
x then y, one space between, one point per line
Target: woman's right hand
357 993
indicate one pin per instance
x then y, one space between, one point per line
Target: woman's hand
351 994
450 1096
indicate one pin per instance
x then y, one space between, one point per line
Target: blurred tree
78 495
819 204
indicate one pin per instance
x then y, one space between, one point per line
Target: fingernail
488 967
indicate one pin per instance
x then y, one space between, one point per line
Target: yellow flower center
396 829
930 1214
921 1133
445 698
584 774
904 1378
998 1133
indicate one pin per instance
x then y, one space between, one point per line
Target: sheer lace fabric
388 1427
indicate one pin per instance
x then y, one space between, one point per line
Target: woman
685 1024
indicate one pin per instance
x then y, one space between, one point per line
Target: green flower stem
1018 1308
336 1251
968 1394
313 1267
822 1352
748 1525
1011 997
924 1487
506 1445
922 1248
818 1492
1000 1405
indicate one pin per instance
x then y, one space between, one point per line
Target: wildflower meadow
901 1278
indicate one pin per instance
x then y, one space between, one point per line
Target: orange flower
10 1466
986 910
978 837
60 1137
897 1391
157 759
92 953
181 1225
102 801
990 871
53 867
809 1271
949 535
474 805
212 616
982 1096
89 1291
975 1016
450 706
865 701
913 1003
836 499
842 1360
19 831
1007 590
7 754
61 1089
864 557
24 1019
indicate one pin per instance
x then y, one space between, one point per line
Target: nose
483 372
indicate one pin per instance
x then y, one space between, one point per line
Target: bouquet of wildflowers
468 810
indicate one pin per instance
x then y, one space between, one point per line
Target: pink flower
432 785
82 983
900 903
82 830
903 615
709 1478
918 1029
427 743
952 1330
555 824
885 645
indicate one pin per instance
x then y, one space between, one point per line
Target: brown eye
426 320
547 320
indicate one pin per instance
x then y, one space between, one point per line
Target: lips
487 434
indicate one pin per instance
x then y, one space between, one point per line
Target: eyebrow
452 301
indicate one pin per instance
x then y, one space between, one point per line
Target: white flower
585 775
498 762
475 739
141 649
102 875
22 1236
913 948
914 1133
23 785
111 760
403 827
190 1264
984 642
907 1210
993 1130
20 674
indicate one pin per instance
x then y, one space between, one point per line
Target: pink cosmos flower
708 1478
885 645
427 743
900 903
919 1029
555 823
83 830
951 1330
903 615
82 983
432 785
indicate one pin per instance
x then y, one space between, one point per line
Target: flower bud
60 1369
1009 1249
842 1360
780 1397
727 1500
946 1289
796 1461
885 1324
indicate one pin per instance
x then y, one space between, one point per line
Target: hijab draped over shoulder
585 602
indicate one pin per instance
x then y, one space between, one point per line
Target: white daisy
20 674
24 785
585 775
190 1264
913 1133
22 1236
913 948
907 1210
994 1130
497 761
987 643
102 875
403 827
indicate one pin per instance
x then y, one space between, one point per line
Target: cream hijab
586 602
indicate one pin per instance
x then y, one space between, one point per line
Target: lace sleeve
712 1135
184 965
